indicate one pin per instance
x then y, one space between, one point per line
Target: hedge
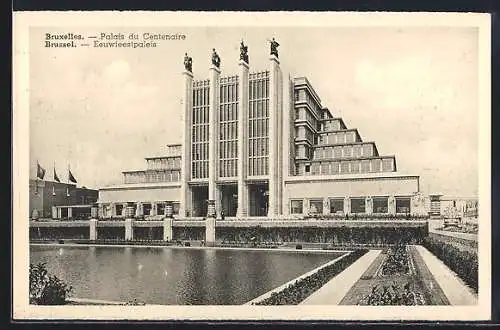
463 263
296 292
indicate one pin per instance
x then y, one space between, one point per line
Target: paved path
334 290
453 287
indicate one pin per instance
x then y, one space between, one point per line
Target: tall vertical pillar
243 102
70 212
167 229
129 230
391 205
100 211
54 212
213 139
187 109
347 205
275 109
369 205
93 229
210 231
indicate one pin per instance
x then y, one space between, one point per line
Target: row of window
119 209
199 133
304 95
229 93
153 176
332 125
258 128
258 147
258 109
200 115
199 169
199 151
258 166
358 205
304 114
349 151
228 130
201 96
228 112
258 89
228 168
164 163
337 138
353 166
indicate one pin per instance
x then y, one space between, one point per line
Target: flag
56 178
40 171
71 177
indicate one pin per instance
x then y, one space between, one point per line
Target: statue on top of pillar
244 52
188 63
215 58
274 47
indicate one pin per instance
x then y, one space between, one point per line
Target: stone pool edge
192 247
309 273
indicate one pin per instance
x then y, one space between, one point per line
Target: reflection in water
174 276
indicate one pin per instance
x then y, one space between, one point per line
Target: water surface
172 276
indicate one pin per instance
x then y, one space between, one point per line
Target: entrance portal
199 201
229 200
258 199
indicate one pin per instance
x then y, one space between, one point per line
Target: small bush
46 289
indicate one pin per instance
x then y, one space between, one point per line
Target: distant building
258 145
58 200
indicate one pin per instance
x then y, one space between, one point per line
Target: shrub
46 289
296 292
462 262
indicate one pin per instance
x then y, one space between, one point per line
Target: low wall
282 231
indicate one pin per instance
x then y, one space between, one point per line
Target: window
358 205
308 168
146 209
336 205
175 208
403 205
119 210
160 209
296 207
344 167
380 204
316 206
387 165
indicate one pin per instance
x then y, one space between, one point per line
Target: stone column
129 230
124 209
93 229
113 210
138 209
59 213
167 229
218 201
54 212
368 205
101 211
391 205
153 209
275 109
243 102
326 206
213 139
169 210
210 231
94 212
347 205
70 212
187 108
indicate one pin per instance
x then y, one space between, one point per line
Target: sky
412 90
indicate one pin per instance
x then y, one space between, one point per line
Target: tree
46 289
